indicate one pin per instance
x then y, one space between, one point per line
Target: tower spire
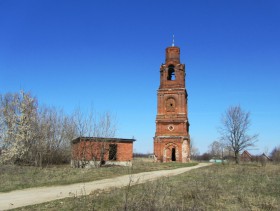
173 42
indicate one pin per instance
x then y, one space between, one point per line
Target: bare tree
18 114
99 128
105 127
194 150
33 135
84 125
216 149
55 130
234 130
39 136
275 154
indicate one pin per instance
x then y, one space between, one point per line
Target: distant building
265 157
246 156
90 151
216 161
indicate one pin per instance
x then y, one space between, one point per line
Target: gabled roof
264 155
102 139
246 153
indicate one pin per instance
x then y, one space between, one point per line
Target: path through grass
218 187
14 177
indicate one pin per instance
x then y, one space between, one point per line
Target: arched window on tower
171 73
170 105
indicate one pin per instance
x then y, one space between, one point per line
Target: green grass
217 187
14 177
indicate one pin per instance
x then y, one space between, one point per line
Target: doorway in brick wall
113 151
173 157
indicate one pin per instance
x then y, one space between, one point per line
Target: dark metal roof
121 140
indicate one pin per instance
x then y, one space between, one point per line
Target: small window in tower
170 105
171 73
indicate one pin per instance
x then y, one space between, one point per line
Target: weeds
218 187
15 177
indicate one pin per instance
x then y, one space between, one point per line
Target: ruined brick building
90 151
172 139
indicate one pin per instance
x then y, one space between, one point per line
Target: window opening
173 154
170 127
170 105
171 73
113 151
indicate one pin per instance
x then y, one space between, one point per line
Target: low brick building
90 151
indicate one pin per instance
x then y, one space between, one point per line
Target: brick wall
89 150
172 140
125 151
166 145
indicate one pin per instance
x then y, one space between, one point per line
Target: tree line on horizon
36 135
234 138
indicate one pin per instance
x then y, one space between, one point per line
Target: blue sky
107 54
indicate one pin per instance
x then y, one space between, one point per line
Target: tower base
172 149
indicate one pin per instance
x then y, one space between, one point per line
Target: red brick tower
172 139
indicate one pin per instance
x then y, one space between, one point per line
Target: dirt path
30 196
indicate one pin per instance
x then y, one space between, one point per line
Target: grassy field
218 187
14 177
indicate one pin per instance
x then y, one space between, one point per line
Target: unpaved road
20 198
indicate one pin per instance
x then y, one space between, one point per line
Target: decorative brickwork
172 140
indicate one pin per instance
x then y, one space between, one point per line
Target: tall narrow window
171 73
113 151
173 158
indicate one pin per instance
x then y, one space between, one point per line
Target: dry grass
218 187
14 177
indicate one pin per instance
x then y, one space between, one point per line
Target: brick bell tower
172 139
